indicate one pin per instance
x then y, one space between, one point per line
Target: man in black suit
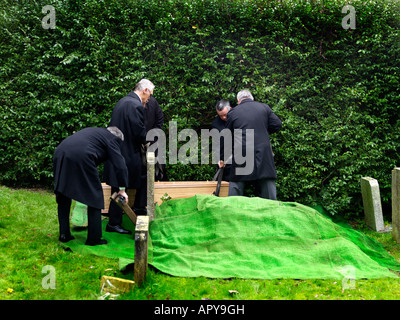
256 118
76 177
222 107
128 116
153 119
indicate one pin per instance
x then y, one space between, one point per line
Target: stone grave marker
372 203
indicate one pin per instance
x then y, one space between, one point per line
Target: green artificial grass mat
249 238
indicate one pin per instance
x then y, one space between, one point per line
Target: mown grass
29 241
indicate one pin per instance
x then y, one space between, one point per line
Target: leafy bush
336 90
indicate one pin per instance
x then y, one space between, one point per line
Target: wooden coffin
186 189
173 190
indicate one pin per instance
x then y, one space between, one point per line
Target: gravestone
396 204
372 203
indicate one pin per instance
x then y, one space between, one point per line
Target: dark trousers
265 187
140 203
94 218
115 212
139 207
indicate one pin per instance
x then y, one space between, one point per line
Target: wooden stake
150 185
141 249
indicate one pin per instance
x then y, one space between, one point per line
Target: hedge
336 90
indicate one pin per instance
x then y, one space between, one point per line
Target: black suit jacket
128 116
154 117
75 164
250 114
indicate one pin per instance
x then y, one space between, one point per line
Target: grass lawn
29 242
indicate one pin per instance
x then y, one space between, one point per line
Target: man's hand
221 164
122 193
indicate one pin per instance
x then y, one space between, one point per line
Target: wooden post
396 204
150 185
141 249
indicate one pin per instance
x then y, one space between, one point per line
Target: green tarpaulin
250 238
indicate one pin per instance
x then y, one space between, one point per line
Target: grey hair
144 84
116 132
244 94
222 104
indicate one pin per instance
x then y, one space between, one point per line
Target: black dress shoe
117 229
95 243
66 237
